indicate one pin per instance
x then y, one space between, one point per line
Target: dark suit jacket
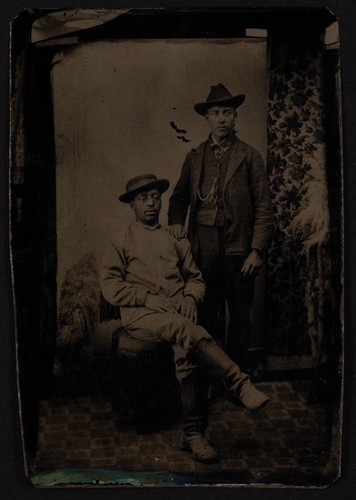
247 202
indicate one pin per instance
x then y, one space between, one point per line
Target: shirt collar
225 143
150 228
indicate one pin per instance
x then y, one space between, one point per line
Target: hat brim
202 107
161 184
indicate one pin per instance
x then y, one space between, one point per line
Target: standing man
154 280
223 183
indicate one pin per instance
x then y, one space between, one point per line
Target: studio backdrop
123 108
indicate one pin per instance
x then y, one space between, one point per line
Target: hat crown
218 93
143 182
139 181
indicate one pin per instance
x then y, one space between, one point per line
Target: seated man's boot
218 364
251 398
199 447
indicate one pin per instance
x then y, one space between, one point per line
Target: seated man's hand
177 231
158 303
187 307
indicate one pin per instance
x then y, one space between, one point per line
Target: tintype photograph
176 243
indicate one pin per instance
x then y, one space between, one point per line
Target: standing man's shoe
199 447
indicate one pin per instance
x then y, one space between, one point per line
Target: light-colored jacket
143 260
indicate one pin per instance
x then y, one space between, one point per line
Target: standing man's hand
252 264
177 231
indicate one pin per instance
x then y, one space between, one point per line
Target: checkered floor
291 442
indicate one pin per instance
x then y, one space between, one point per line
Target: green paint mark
95 477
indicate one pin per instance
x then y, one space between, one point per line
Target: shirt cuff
141 297
198 297
176 218
259 251
191 295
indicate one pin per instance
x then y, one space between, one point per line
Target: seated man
154 280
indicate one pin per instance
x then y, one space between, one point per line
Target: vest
211 209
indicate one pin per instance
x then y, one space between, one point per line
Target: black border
13 483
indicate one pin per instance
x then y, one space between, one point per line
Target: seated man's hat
219 95
143 182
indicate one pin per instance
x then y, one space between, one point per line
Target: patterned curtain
299 261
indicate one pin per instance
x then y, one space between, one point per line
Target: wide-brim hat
219 95
143 182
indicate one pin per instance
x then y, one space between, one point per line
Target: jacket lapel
238 155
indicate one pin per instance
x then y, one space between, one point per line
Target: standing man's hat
143 182
219 95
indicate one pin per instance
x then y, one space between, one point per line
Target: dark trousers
226 285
